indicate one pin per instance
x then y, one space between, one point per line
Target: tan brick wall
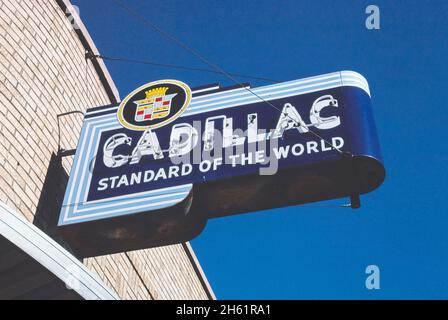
43 73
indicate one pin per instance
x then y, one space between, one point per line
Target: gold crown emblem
156 92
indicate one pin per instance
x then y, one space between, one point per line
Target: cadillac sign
151 170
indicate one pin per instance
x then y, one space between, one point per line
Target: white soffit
35 243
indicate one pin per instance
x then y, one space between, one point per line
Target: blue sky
305 251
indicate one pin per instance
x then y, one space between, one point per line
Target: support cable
180 67
218 69
355 197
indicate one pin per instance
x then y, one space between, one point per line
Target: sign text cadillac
153 169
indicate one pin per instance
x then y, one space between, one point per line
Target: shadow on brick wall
51 198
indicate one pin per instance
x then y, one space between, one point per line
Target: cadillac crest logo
154 105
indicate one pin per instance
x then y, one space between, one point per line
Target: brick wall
43 73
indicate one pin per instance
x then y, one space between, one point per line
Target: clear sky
305 251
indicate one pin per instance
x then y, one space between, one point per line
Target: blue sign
186 155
